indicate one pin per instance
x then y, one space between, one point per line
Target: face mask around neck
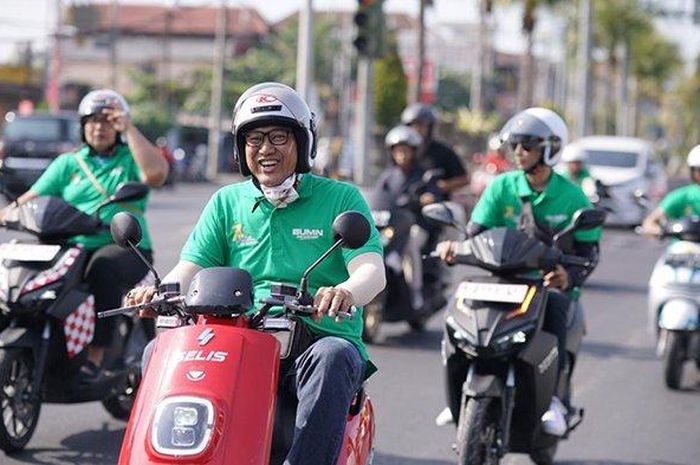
284 194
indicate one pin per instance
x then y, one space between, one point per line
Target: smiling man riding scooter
273 226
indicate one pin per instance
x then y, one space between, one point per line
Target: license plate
29 252
492 292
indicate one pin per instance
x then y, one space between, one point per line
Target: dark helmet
419 112
274 104
539 125
97 100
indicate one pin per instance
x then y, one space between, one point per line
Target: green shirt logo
304 234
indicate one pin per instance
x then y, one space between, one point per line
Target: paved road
631 418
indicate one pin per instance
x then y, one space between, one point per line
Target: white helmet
403 135
573 153
97 100
694 157
274 104
539 126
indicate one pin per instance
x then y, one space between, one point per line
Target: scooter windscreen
220 291
52 218
503 249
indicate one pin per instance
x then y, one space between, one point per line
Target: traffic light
369 22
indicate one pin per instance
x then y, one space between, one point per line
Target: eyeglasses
526 141
276 137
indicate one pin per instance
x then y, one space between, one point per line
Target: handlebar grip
574 260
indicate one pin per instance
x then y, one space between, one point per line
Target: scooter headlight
182 426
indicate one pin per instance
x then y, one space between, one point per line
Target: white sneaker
554 419
444 417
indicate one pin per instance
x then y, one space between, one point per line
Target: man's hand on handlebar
142 295
557 279
446 251
332 301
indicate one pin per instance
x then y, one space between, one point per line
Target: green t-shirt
582 174
64 178
500 204
240 228
682 202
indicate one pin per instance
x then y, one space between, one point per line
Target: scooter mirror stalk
351 230
126 233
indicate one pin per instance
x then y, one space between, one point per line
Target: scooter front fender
359 437
233 370
679 315
483 386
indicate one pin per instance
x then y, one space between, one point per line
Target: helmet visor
526 141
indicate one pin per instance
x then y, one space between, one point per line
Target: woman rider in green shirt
274 226
84 179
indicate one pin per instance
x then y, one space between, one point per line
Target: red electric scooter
210 389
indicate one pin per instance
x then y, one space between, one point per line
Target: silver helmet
537 127
403 135
97 100
274 104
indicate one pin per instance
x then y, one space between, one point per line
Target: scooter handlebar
156 305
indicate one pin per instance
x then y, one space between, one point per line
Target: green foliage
453 91
654 63
475 123
681 114
389 90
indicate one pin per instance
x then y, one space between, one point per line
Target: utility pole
365 78
53 88
475 92
113 36
217 81
304 49
166 58
583 121
418 91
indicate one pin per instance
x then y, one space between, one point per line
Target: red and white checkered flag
79 327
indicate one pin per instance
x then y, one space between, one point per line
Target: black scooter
500 366
48 319
394 218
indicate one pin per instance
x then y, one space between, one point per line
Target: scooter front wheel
373 316
674 358
477 432
19 405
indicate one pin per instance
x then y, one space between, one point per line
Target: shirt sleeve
486 210
585 235
672 205
355 201
54 178
453 165
206 245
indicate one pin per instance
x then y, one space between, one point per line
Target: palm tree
618 26
526 82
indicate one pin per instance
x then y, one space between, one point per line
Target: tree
389 89
453 92
526 80
619 24
681 113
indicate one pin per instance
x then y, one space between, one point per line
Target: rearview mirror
129 191
589 218
352 228
125 230
440 213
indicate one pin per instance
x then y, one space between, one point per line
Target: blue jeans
325 378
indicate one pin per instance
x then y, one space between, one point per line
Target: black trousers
110 273
555 323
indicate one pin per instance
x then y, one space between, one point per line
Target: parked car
29 143
632 181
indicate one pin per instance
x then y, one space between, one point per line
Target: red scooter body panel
236 369
359 437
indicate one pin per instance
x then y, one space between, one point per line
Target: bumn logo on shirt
304 234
